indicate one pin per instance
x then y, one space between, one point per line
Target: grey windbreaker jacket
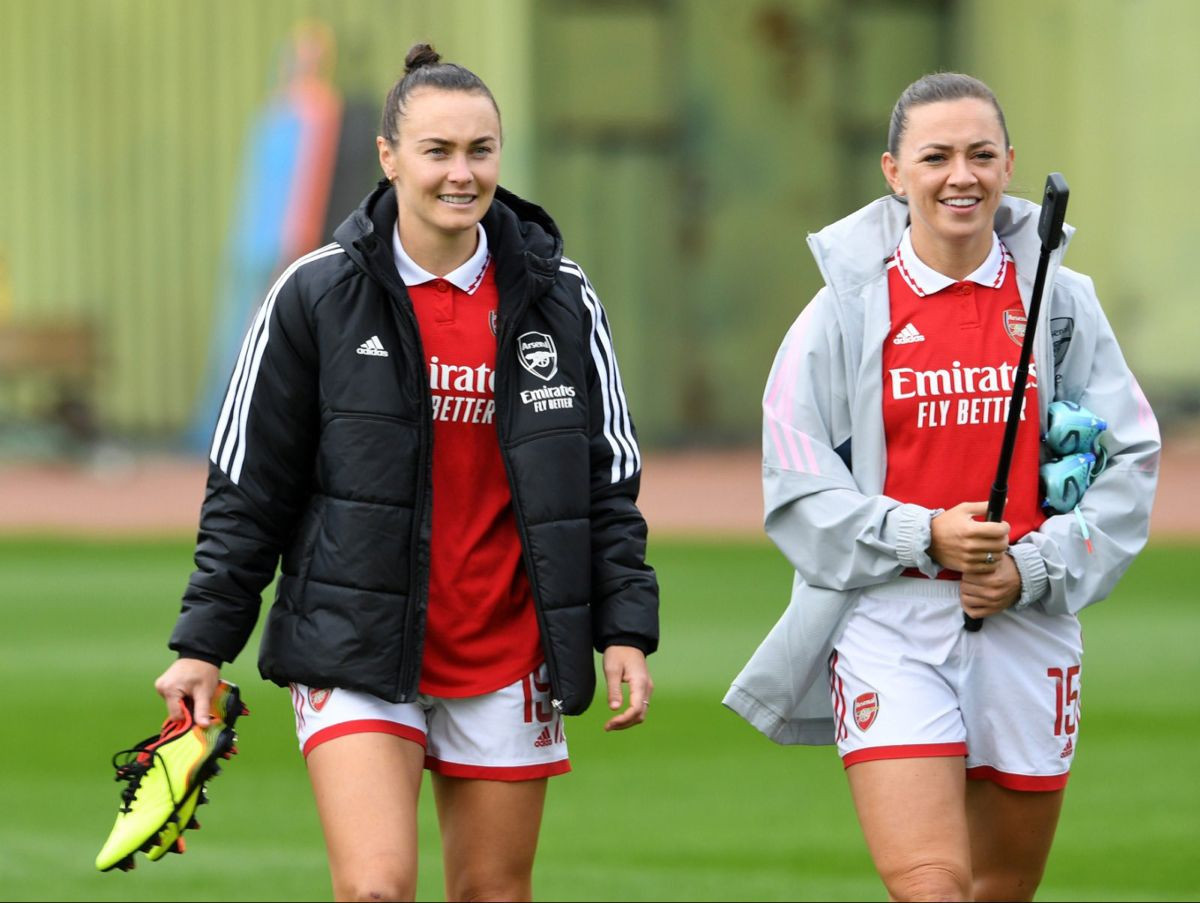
823 492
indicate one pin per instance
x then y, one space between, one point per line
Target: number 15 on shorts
1066 706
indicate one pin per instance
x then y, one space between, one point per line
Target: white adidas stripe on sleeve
618 430
229 440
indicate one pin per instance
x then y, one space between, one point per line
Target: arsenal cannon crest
537 354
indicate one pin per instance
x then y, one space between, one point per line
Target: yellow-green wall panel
122 127
687 147
1104 91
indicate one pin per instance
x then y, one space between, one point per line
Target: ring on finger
990 559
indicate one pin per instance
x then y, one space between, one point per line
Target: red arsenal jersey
481 632
948 367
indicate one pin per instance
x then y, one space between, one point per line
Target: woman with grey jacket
883 417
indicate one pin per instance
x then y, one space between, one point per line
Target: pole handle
1054 211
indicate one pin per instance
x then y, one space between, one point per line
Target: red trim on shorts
363 726
496 772
1031 782
838 688
909 751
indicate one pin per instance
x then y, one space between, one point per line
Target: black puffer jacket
322 455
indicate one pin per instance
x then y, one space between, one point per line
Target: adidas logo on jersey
908 335
1067 750
373 347
543 739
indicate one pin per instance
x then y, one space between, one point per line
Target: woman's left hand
627 665
987 593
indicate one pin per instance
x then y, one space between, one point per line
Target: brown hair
935 87
423 68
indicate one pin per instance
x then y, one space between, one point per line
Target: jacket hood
853 250
520 234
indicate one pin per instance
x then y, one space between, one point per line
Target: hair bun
420 55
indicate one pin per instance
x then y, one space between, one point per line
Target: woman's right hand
962 543
189 678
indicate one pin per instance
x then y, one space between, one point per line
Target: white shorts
513 734
908 681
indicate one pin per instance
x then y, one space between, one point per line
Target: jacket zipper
505 397
410 672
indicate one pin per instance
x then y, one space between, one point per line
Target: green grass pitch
694 805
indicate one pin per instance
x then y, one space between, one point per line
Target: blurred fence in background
686 148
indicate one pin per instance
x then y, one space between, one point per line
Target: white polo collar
465 278
924 280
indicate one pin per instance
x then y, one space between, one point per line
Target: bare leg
913 817
489 836
366 787
1011 834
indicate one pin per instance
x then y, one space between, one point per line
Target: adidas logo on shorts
543 739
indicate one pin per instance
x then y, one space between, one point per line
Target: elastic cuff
637 642
913 535
1034 581
201 656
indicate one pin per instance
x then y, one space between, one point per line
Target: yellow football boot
165 777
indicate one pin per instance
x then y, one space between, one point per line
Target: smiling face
445 165
952 166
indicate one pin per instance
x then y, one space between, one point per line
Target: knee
486 895
376 888
1009 886
494 891
930 881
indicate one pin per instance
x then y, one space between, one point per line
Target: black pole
1054 211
